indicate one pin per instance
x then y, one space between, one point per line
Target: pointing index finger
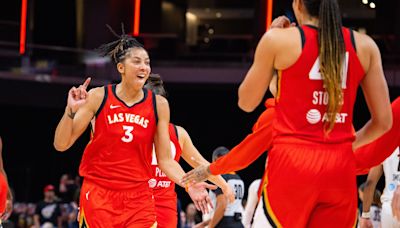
86 83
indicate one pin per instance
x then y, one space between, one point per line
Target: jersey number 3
128 137
315 73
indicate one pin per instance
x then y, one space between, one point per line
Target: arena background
202 49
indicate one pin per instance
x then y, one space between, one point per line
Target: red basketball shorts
166 210
311 186
100 207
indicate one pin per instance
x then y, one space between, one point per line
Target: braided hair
331 52
119 48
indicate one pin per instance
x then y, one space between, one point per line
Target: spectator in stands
48 210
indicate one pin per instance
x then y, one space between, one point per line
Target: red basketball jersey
119 154
162 185
302 100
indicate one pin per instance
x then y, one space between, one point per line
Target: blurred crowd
58 208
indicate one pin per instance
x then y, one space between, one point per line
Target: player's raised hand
78 96
198 193
199 174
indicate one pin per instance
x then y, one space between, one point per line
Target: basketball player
390 169
116 162
6 199
181 145
311 168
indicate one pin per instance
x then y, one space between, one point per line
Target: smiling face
135 68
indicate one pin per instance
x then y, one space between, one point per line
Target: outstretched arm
171 167
376 152
193 157
240 156
249 149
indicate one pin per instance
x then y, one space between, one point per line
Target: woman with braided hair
116 164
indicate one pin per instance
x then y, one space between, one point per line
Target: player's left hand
201 199
8 211
197 175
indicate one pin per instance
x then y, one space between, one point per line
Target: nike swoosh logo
87 195
114 106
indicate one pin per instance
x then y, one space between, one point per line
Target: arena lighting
136 17
372 5
365 2
22 38
268 20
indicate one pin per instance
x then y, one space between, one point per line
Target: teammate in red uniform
116 163
181 145
311 167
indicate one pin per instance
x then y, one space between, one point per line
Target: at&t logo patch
313 116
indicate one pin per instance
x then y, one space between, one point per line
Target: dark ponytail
331 53
156 84
118 49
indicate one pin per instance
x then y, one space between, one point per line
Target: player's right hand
78 96
198 193
365 223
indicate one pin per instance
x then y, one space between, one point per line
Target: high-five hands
199 174
201 199
202 173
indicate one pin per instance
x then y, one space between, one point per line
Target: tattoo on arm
71 114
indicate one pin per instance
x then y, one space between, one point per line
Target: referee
227 215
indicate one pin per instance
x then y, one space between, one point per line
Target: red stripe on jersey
119 154
163 186
301 108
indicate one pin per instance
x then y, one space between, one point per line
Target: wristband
366 215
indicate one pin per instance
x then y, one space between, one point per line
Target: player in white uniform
390 167
254 215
